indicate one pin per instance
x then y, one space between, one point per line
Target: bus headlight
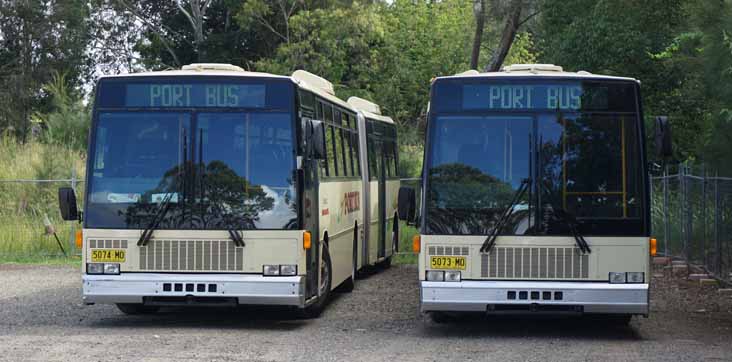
288 269
617 277
452 276
95 268
102 268
271 269
111 268
636 277
435 276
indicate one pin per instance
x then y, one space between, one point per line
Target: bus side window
319 111
330 151
339 150
372 159
354 145
330 141
395 148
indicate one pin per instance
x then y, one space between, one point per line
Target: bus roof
536 71
369 109
306 80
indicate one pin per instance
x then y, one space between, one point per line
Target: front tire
136 308
326 270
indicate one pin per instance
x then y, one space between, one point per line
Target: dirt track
41 319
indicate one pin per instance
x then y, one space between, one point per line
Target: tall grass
24 205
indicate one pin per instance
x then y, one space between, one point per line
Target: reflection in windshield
477 163
227 170
586 166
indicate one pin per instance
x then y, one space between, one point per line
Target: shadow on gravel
240 317
480 326
263 318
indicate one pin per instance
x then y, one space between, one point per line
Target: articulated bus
212 185
535 195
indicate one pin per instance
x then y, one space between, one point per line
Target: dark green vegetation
51 52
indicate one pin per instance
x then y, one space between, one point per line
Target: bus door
381 177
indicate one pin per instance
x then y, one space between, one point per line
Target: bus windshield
217 169
580 152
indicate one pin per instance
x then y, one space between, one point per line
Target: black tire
386 263
620 319
136 309
612 319
440 317
314 310
348 285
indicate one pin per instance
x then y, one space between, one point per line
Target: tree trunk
479 10
507 37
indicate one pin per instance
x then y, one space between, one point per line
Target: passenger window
396 160
347 151
319 111
355 154
331 155
339 150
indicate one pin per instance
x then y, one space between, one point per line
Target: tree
633 39
36 39
479 11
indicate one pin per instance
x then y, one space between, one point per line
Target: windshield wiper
505 215
234 234
571 221
165 204
162 211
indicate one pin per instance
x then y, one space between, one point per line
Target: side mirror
407 204
662 137
316 142
67 204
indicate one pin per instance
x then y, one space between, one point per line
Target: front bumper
243 288
485 296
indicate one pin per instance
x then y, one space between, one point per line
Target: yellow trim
564 163
594 192
622 152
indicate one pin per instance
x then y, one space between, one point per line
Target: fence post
666 221
684 208
72 233
704 216
717 216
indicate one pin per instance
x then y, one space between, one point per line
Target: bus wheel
386 264
314 310
348 285
440 317
620 319
133 309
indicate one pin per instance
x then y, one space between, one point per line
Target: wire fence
30 221
691 211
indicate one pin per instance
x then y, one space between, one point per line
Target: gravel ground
42 319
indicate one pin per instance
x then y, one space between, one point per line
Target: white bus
212 185
535 195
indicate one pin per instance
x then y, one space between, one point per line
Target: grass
406 255
24 207
41 260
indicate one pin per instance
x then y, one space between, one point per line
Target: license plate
447 262
108 255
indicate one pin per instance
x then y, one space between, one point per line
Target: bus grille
107 244
448 250
534 263
191 255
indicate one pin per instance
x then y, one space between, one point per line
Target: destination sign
226 95
513 97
